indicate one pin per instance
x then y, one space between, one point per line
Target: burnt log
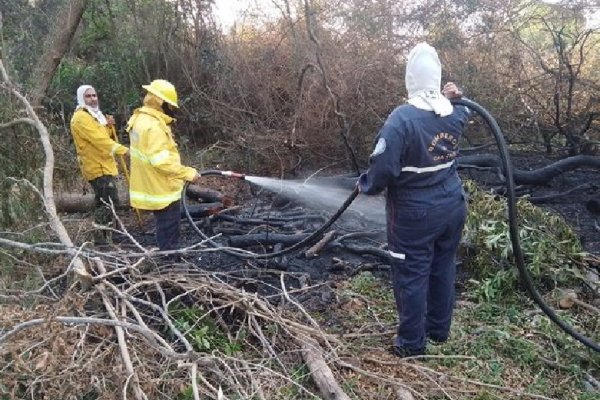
538 176
85 203
550 197
362 250
247 221
74 202
303 218
522 177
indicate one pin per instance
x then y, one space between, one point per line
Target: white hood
94 111
424 80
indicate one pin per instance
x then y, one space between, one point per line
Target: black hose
308 241
514 227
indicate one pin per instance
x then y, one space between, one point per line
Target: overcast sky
228 11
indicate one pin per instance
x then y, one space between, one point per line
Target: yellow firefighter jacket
157 175
94 145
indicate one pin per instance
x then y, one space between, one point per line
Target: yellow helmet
164 90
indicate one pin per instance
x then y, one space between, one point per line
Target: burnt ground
262 213
259 212
572 207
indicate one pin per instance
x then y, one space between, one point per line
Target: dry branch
48 191
320 371
125 356
314 250
341 116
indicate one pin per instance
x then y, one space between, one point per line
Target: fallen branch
314 250
131 374
320 371
207 195
48 191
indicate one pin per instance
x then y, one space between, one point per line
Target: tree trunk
56 46
211 199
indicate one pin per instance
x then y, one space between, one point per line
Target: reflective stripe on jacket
94 145
157 175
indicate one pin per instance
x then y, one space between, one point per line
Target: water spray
308 241
524 275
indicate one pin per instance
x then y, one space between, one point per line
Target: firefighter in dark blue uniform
414 159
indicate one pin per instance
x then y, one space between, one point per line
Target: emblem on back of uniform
379 147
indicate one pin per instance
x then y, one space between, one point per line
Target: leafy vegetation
553 251
202 331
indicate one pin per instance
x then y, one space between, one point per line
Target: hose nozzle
223 173
234 175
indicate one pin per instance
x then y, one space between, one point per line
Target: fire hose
524 275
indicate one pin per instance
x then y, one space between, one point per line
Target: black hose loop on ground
514 225
308 241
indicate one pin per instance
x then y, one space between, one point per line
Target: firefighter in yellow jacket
92 134
157 175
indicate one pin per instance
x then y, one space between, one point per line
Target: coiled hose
512 219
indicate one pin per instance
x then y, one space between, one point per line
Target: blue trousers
167 226
424 231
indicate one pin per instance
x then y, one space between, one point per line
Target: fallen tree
75 202
538 176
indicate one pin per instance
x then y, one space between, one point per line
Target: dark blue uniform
414 159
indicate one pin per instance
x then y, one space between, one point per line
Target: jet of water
322 194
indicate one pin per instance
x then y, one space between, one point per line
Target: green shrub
553 252
201 330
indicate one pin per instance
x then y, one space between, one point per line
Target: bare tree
561 47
